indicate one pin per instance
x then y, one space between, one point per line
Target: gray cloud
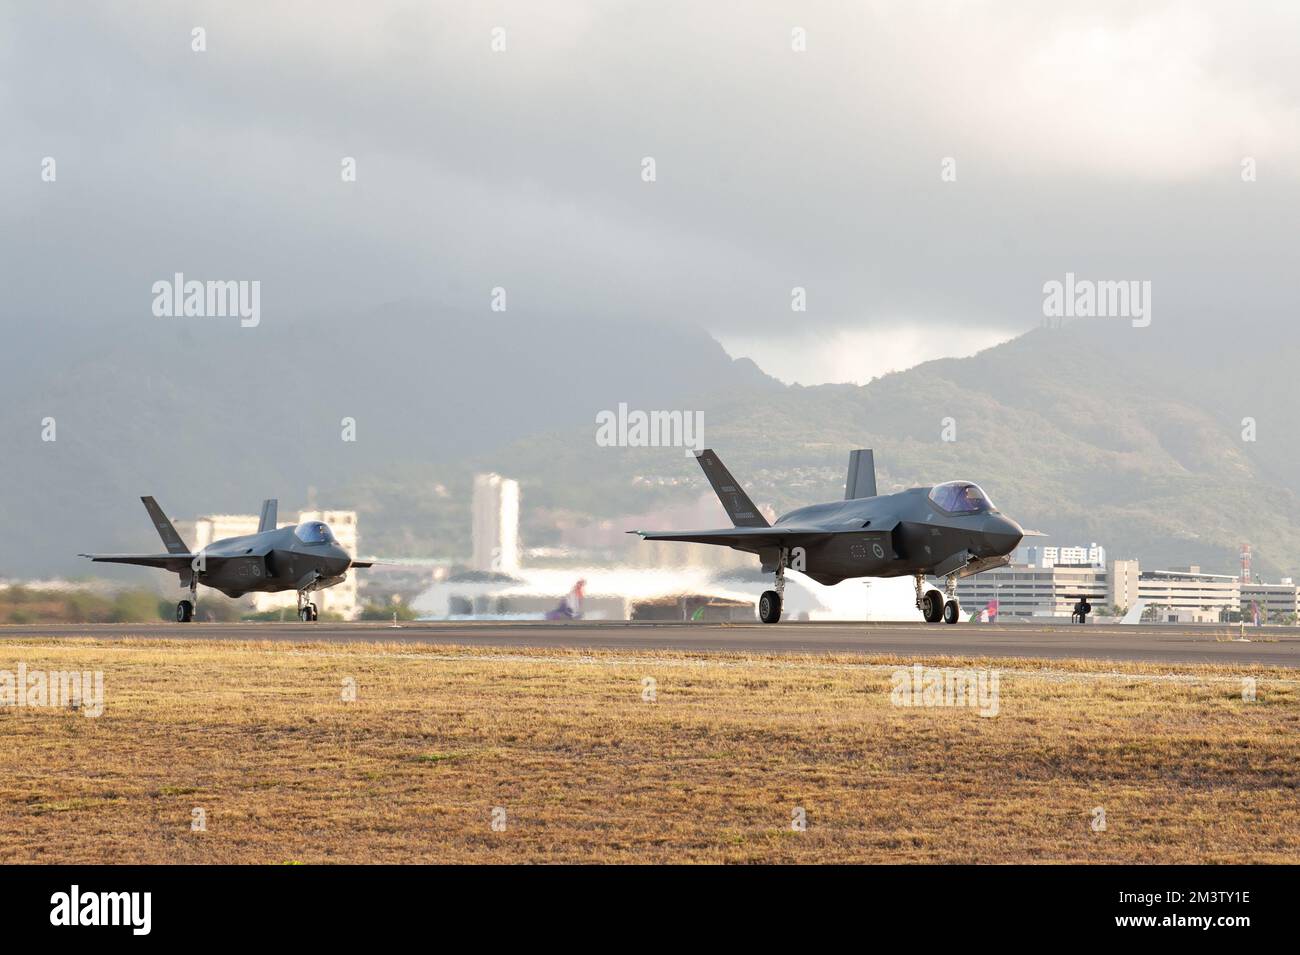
1100 139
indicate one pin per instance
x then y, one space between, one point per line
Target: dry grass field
586 769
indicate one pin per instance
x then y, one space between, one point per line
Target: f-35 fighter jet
951 530
305 558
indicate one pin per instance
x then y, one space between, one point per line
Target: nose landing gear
307 611
951 612
951 608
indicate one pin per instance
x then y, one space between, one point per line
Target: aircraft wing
173 562
743 538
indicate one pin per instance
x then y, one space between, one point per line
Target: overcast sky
1104 139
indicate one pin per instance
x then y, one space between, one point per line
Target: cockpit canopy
314 532
960 497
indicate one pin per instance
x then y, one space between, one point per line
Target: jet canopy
314 532
960 497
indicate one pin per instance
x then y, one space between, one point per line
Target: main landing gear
307 611
185 609
769 605
936 606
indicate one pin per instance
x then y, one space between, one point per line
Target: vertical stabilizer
739 507
862 475
269 509
170 538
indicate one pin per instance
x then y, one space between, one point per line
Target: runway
1168 644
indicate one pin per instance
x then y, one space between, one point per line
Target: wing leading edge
742 538
173 562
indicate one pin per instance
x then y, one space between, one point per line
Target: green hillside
1093 432
1097 431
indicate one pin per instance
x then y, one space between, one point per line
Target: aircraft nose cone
1002 534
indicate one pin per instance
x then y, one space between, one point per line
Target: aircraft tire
932 606
769 606
184 612
951 612
305 614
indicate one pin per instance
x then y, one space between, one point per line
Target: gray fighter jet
305 558
951 530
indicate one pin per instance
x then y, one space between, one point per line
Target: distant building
1182 595
340 599
1042 555
495 524
1185 595
1023 590
1123 584
215 527
1276 602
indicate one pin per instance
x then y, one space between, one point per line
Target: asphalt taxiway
1159 644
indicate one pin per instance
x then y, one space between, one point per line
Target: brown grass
587 771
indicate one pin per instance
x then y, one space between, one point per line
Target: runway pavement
1165 644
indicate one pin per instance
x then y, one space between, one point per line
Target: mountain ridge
1094 431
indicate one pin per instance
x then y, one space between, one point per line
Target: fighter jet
950 530
305 558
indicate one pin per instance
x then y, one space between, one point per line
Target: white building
1026 590
1182 595
1185 595
215 527
495 524
1036 555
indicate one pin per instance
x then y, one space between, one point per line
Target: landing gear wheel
769 606
184 612
307 611
932 606
951 612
